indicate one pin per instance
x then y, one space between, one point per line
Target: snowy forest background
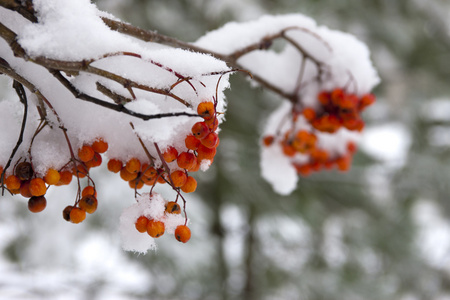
380 231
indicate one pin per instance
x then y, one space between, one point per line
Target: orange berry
96 161
200 130
268 140
352 147
127 176
149 181
65 178
52 177
182 233
319 155
135 184
190 185
89 190
114 165
37 204
192 142
288 149
25 189
337 96
85 153
178 178
349 102
37 187
170 154
24 171
206 110
173 208
343 163
354 124
309 114
88 203
155 229
12 182
100 146
204 152
141 224
366 100
186 160
210 140
149 172
324 98
77 215
303 170
133 165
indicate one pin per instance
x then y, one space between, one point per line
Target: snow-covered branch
153 105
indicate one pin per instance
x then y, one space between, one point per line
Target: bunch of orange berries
172 168
338 109
25 181
156 228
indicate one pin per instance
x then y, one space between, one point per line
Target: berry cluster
171 166
156 228
338 109
28 183
25 181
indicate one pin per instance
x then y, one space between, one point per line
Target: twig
23 99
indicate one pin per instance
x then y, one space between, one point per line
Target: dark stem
23 99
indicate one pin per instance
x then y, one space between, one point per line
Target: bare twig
23 99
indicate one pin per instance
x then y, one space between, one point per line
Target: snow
388 142
151 206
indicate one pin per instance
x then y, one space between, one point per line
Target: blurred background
380 231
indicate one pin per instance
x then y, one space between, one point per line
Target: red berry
141 224
200 130
186 160
211 140
170 154
192 142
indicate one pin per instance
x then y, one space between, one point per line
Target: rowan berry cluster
338 110
170 166
25 181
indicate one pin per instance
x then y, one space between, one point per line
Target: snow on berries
150 218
